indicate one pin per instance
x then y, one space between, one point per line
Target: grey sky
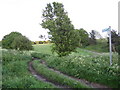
25 15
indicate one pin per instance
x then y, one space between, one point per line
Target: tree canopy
8 39
83 37
22 43
16 40
55 19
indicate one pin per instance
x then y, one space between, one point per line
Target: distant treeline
41 42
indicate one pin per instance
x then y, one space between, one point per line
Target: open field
83 64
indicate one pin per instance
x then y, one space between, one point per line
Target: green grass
84 64
43 48
56 77
101 46
46 49
15 71
81 64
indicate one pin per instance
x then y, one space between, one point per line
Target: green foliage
92 39
8 39
83 37
22 43
100 46
16 40
15 72
61 29
91 66
85 66
115 41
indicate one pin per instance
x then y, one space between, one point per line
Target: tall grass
87 65
15 71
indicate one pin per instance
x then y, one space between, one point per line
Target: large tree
55 19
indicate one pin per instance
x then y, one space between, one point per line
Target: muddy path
42 78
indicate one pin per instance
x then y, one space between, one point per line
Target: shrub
8 40
22 43
16 40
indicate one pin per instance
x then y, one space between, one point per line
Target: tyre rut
41 77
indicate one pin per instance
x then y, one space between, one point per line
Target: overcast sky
24 16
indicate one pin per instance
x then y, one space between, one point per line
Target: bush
16 40
8 40
22 43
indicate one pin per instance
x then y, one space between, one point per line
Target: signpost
110 45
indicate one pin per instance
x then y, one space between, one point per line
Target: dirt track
42 78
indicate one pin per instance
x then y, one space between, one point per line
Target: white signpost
110 45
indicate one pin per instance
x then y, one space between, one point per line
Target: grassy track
56 77
83 64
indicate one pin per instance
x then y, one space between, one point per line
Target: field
83 64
